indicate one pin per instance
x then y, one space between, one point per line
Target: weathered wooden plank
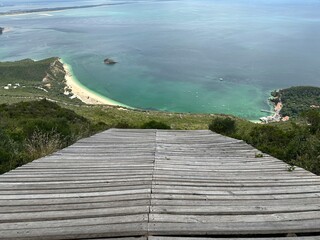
74 200
243 179
228 170
214 163
79 176
233 176
167 182
240 190
120 177
110 172
73 190
254 228
77 232
139 218
72 214
192 218
236 202
74 195
108 162
123 238
169 190
73 206
197 196
17 184
233 210
79 185
230 238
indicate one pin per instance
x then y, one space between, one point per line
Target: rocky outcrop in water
109 61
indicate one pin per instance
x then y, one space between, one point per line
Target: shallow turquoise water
207 56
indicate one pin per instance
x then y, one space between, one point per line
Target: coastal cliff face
55 81
55 75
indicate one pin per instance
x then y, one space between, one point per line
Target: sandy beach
84 94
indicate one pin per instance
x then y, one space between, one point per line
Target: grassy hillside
122 118
29 130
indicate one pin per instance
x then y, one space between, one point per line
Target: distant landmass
14 12
296 100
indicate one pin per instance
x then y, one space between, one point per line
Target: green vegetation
124 118
32 80
155 125
295 142
296 100
222 125
29 130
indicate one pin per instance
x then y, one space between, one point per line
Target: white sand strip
83 93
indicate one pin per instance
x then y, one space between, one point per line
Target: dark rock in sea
1 30
109 61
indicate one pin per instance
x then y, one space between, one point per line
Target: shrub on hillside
155 125
269 139
296 143
41 143
222 125
123 124
313 119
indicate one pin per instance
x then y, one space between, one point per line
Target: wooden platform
160 185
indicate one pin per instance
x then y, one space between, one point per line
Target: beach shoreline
86 95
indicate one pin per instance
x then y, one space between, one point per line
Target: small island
109 61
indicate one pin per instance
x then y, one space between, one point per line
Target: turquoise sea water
201 56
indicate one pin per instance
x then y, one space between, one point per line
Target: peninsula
296 100
52 79
39 10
